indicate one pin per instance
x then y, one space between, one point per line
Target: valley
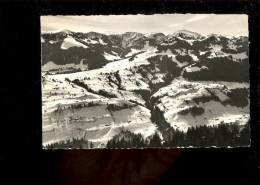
95 85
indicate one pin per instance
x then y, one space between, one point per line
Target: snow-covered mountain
185 34
66 47
94 85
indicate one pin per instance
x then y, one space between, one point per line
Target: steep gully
157 115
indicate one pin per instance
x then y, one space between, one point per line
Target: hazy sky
228 24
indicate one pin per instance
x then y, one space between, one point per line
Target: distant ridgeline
214 57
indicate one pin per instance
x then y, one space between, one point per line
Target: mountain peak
132 34
186 34
66 31
93 35
58 31
154 34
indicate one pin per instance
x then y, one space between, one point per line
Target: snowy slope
60 94
140 75
177 99
71 42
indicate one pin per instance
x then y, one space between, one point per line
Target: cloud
197 18
175 25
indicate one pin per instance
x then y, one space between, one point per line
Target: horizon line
117 33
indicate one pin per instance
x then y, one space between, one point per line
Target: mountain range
94 85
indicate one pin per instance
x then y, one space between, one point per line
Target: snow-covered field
181 95
95 123
71 42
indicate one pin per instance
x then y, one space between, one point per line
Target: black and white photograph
145 81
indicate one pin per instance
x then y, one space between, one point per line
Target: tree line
222 135
76 143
